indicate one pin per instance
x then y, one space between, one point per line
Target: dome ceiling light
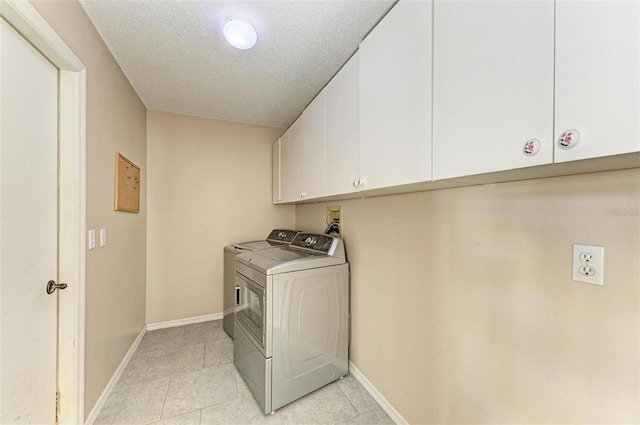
240 34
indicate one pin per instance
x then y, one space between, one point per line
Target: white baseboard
114 379
182 322
383 402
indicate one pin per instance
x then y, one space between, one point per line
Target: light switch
92 239
103 237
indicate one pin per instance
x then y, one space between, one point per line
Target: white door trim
72 200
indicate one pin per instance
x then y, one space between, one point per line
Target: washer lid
253 245
277 237
307 251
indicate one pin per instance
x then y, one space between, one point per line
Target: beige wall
115 274
464 311
209 186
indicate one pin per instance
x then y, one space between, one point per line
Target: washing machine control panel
319 243
282 235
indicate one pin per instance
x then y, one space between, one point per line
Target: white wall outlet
588 264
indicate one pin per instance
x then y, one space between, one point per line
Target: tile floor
185 376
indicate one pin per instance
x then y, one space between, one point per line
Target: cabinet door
598 77
296 157
306 151
342 163
395 97
275 173
287 191
493 85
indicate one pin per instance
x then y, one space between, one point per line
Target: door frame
71 199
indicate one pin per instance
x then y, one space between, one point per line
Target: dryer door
251 312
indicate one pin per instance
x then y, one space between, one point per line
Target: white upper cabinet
275 172
452 88
598 77
295 149
287 192
493 85
395 98
342 162
306 153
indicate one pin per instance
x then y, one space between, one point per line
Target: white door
28 226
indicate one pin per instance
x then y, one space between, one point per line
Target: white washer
277 237
292 322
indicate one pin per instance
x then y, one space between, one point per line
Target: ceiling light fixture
240 34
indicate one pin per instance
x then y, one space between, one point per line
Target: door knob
52 286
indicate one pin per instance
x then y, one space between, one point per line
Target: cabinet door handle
569 138
531 147
237 295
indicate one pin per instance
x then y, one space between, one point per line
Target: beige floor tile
372 417
218 351
198 390
149 365
357 395
203 332
328 405
135 404
244 411
161 339
191 418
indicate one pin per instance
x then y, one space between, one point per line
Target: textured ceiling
175 55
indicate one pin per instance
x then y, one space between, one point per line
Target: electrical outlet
586 257
588 264
585 270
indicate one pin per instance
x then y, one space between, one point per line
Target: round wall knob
531 147
569 138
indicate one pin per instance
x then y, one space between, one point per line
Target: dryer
277 237
292 321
